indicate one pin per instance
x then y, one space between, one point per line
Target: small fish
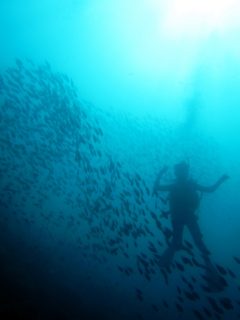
155 308
186 261
179 307
237 259
207 312
165 304
198 315
232 274
221 269
179 266
214 305
226 303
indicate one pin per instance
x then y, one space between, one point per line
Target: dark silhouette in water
184 201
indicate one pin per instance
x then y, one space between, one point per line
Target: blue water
95 98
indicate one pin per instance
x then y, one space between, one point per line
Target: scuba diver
183 203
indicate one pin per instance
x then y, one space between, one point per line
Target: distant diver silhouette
183 202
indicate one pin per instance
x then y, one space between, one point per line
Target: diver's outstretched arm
158 187
214 187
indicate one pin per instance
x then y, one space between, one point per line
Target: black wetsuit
184 201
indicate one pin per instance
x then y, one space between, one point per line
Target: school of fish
57 175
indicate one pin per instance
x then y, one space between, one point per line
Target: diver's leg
175 244
196 234
177 227
215 281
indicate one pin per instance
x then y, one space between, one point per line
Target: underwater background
96 96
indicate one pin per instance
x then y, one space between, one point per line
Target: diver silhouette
183 202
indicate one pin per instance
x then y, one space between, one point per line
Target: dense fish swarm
61 191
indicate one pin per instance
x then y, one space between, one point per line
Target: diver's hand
224 178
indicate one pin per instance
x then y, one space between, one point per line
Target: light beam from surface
199 18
